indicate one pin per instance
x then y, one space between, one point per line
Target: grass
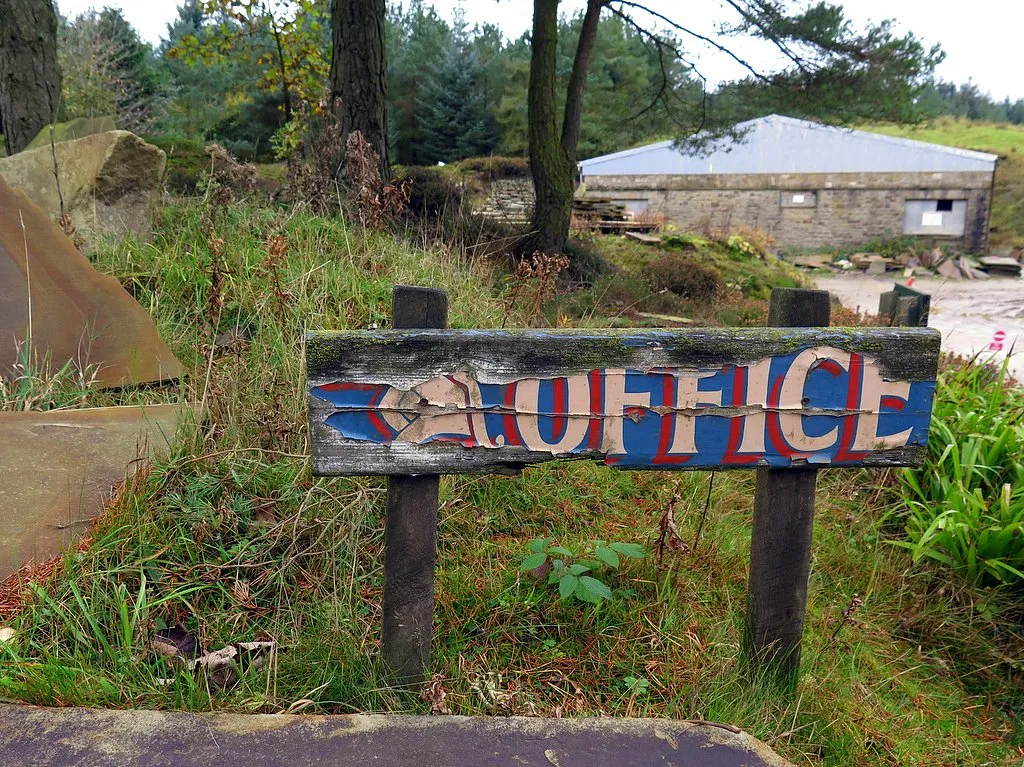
966 509
1003 139
626 294
231 538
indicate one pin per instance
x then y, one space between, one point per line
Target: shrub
753 241
187 163
965 508
685 276
497 166
585 264
434 194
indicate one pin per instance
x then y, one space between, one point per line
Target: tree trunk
359 88
29 75
553 155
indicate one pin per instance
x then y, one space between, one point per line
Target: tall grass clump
965 507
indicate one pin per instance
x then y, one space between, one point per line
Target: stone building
809 185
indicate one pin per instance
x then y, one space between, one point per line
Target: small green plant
575 574
636 685
965 509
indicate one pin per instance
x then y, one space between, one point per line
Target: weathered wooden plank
474 401
780 543
410 530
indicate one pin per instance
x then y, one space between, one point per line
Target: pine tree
457 122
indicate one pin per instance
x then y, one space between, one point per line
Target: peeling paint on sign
821 405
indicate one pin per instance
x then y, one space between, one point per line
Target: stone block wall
837 210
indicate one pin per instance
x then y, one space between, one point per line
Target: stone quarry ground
969 314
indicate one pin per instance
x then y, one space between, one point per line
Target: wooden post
410 534
887 305
908 312
780 548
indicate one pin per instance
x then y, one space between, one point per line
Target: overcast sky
981 38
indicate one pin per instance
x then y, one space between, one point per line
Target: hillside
1002 139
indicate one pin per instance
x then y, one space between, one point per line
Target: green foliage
286 40
497 166
187 162
418 42
685 276
456 121
574 575
217 99
107 70
283 555
967 100
33 383
965 508
834 72
434 194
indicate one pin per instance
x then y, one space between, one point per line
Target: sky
980 38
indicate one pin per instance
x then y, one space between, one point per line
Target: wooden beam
780 544
410 534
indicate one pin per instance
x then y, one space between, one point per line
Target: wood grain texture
410 531
780 542
468 401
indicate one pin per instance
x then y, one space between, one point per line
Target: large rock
74 312
72 129
108 182
61 468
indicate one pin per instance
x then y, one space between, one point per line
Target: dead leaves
434 694
221 668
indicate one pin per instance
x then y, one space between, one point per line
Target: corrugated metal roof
778 144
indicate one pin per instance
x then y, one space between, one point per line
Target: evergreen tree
417 41
456 121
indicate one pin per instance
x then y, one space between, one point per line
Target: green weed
965 508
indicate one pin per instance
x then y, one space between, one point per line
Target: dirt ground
969 313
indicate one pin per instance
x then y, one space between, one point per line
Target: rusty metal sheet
75 313
77 737
59 468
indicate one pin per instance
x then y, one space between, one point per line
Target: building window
942 218
633 207
798 200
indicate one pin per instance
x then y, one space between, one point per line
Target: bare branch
664 90
767 34
703 38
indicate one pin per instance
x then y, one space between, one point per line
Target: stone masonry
839 209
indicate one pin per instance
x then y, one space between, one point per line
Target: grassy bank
684 279
233 540
1002 139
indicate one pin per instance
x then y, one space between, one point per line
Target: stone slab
76 313
95 738
108 182
59 468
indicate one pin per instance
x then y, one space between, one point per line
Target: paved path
75 737
967 312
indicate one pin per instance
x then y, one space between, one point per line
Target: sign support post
410 534
780 545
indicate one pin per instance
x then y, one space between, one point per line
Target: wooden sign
472 401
